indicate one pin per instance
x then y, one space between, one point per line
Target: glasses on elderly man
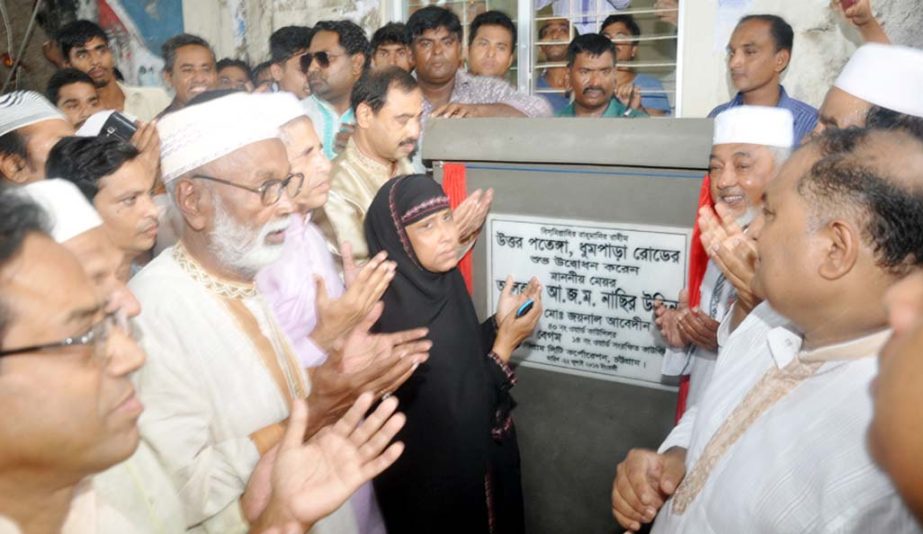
270 191
323 60
95 336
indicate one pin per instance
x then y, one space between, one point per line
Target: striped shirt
804 114
327 122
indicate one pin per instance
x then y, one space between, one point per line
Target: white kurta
137 497
205 389
695 361
800 466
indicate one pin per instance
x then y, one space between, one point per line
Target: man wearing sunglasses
336 59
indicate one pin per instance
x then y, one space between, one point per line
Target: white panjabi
755 125
888 76
201 133
70 213
23 108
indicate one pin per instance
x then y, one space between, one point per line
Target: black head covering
447 400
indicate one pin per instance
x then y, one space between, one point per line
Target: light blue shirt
327 122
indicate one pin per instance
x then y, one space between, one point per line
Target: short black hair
352 37
257 70
890 208
391 33
628 20
230 62
372 88
288 41
19 217
589 43
77 33
171 45
432 18
13 143
883 118
65 77
85 160
781 31
492 18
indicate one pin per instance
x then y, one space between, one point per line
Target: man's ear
194 202
13 169
358 64
841 249
567 85
782 59
276 71
364 115
167 78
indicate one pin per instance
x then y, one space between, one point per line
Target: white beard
240 248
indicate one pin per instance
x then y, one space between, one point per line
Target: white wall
823 43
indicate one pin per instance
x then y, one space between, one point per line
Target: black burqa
460 470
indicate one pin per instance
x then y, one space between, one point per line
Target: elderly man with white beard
221 374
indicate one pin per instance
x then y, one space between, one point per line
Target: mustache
592 88
409 141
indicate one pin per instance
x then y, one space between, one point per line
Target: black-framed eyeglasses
96 336
270 191
323 60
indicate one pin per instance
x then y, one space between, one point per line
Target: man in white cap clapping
29 127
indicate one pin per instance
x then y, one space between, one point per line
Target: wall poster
600 282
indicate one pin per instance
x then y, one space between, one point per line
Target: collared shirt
615 109
558 100
804 114
145 103
354 181
327 122
693 360
777 443
486 90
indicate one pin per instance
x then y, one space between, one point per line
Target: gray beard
241 249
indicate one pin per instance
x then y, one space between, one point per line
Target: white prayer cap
22 108
70 213
201 133
885 75
755 125
278 108
93 126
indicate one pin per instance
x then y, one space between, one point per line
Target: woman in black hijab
460 470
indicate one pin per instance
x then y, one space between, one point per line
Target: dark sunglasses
323 60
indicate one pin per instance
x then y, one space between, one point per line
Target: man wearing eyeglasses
336 58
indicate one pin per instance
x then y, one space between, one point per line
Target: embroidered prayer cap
888 76
278 108
93 126
202 133
755 125
23 108
71 214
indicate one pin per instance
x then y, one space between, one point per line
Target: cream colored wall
823 43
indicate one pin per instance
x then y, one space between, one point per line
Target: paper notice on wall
728 14
600 283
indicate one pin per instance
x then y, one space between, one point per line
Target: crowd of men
188 303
